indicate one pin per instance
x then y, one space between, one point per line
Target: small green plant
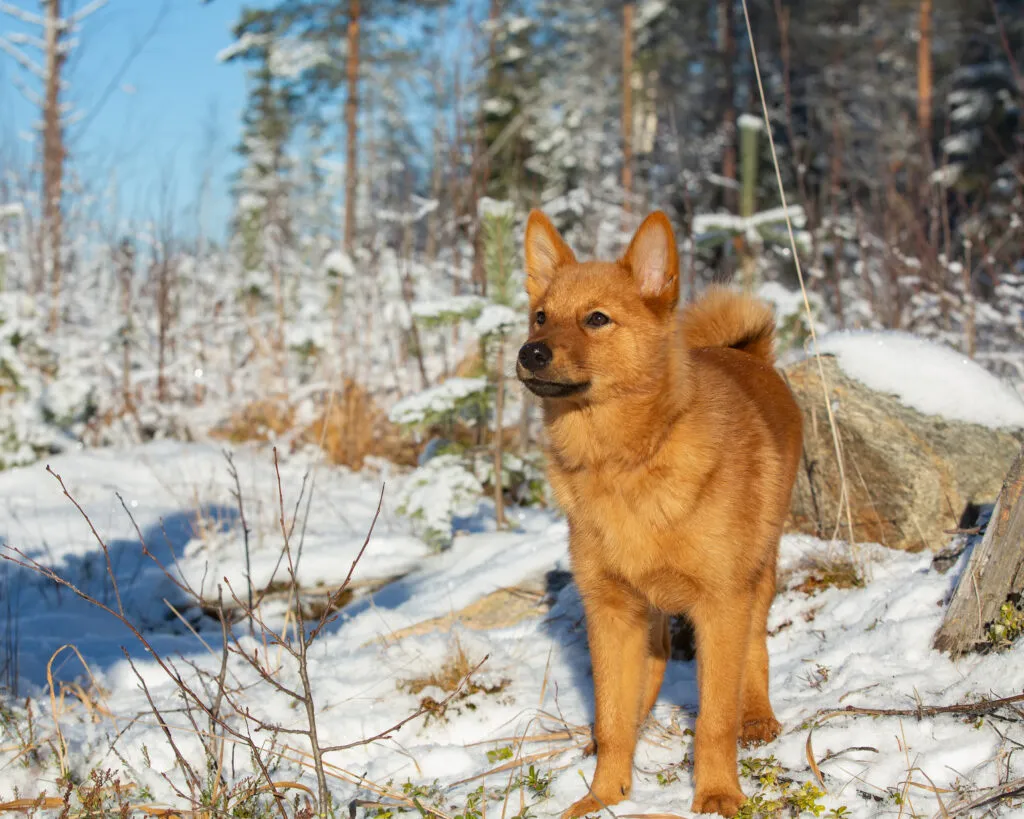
777 794
474 800
499 754
1008 626
537 783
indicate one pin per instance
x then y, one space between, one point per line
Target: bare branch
103 545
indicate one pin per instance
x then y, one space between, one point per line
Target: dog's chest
634 517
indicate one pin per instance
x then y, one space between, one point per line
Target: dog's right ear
545 252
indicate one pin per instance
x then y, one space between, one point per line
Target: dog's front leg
722 628
617 630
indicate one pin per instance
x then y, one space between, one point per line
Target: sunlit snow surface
867 646
930 377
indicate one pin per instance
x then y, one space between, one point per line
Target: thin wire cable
844 495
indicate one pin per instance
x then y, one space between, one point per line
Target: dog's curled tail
725 318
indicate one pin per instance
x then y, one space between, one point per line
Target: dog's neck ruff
626 430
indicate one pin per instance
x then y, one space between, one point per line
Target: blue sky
173 115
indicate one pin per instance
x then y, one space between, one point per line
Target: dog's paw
590 804
722 802
590 748
759 731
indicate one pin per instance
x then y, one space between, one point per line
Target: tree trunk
627 105
994 572
481 162
126 272
924 72
499 420
53 155
351 124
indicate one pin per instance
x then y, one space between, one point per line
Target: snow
339 263
730 222
497 208
457 307
866 646
290 58
498 319
927 376
749 122
444 398
244 43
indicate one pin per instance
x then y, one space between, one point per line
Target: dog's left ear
653 260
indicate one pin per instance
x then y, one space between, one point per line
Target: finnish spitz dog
672 447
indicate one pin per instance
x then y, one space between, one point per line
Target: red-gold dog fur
673 446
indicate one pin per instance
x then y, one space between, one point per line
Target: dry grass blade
651 816
1008 790
809 750
514 763
39 803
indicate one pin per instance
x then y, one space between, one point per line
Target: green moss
1008 626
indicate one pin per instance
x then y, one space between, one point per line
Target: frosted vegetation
229 413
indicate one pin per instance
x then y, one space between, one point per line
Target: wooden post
994 571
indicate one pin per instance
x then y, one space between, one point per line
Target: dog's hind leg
722 626
659 648
758 723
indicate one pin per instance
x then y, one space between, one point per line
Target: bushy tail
725 318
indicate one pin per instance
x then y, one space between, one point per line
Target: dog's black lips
554 389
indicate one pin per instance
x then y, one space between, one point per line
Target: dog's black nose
535 356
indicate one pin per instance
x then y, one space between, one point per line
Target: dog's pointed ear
653 260
545 251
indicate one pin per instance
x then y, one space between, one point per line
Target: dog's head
598 329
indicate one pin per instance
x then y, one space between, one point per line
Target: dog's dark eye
597 319
540 317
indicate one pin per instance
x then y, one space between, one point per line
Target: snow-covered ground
866 646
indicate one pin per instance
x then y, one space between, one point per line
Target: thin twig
386 734
103 545
967 709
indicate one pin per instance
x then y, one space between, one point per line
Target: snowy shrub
442 404
437 493
68 402
522 477
445 312
26 361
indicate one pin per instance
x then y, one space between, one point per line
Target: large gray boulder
909 475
